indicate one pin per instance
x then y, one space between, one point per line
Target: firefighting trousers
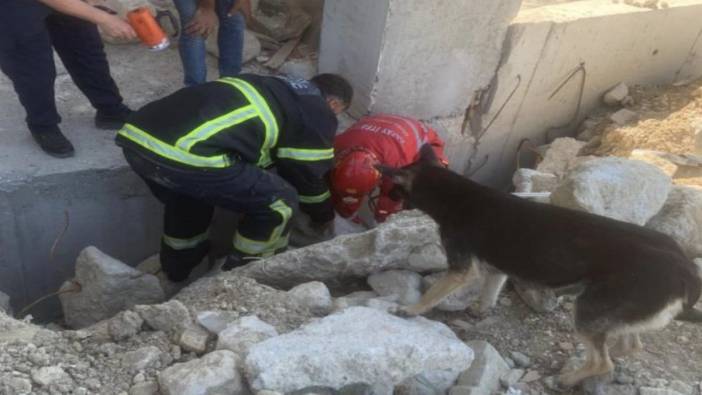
265 200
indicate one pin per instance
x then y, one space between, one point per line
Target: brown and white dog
631 279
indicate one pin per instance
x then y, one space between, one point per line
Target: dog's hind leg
442 288
627 344
597 363
494 282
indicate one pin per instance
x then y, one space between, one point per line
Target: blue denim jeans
230 42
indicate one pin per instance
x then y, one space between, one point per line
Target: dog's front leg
453 280
492 286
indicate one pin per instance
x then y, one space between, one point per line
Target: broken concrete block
624 116
354 299
511 378
417 386
561 156
529 180
216 321
124 325
15 385
5 304
657 391
541 300
390 246
145 388
244 334
194 339
616 95
405 286
142 359
215 373
486 370
626 190
385 304
654 158
459 299
171 317
314 295
107 286
51 375
357 345
681 218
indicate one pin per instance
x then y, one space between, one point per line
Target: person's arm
205 20
110 24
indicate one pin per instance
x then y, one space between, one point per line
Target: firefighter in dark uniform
212 145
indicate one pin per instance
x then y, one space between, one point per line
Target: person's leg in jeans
80 47
230 39
191 47
27 59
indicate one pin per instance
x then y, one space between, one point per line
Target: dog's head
404 177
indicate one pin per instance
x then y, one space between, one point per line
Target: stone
512 377
486 370
359 298
244 333
15 385
171 317
529 180
622 189
624 116
654 158
561 156
315 390
681 218
5 304
145 388
214 374
383 304
216 321
657 391
459 299
267 392
314 295
531 376
541 300
49 375
417 385
356 345
616 95
125 325
681 387
194 339
107 286
142 359
390 246
520 359
403 285
465 390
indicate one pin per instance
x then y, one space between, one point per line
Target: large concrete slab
424 58
613 42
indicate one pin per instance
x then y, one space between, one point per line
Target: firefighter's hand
203 23
114 26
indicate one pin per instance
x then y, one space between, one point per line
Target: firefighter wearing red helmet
381 139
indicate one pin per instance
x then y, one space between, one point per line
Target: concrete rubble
243 334
104 287
561 157
5 304
529 180
314 295
622 189
214 374
617 95
681 218
327 352
402 286
483 376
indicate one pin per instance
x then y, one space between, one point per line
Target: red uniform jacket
395 141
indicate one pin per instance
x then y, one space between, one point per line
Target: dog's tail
693 289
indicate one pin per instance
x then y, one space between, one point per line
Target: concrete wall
614 42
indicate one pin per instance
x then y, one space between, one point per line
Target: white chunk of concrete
171 317
486 370
404 286
194 339
142 359
214 374
624 116
681 218
216 321
459 299
390 246
626 190
49 375
561 156
657 391
244 334
359 298
124 325
314 295
145 388
356 345
107 286
529 180
616 95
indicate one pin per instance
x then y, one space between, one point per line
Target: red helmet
354 176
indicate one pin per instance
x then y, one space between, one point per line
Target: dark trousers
265 200
27 33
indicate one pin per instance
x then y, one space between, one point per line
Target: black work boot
111 120
53 142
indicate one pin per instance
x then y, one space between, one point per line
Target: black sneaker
111 120
53 142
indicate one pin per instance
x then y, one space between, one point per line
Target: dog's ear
399 177
427 156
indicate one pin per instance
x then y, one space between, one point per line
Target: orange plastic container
148 30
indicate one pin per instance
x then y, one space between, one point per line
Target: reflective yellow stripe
304 154
208 129
275 241
158 147
315 199
264 111
184 244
